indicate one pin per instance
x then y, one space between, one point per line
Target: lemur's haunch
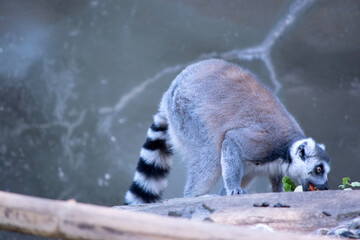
225 122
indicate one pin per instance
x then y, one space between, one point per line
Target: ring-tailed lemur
225 122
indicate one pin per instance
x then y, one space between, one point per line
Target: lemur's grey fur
225 122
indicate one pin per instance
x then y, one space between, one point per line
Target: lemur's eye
318 169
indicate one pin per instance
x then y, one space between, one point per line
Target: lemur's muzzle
309 186
322 186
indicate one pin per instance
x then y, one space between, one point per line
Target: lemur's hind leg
202 176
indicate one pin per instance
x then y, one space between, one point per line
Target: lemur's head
310 164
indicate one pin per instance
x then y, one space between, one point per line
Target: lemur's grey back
211 97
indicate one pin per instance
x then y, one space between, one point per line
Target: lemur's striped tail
153 167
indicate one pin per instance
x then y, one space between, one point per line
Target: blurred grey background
80 81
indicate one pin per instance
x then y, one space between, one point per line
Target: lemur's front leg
232 166
276 182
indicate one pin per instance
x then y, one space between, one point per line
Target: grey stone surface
80 81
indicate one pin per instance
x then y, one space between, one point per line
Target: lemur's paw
237 191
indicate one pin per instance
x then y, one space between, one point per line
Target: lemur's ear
303 148
301 151
306 148
322 146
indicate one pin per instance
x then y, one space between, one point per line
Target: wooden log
71 220
308 211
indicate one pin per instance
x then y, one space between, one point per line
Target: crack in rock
261 52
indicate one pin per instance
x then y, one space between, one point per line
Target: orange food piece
312 187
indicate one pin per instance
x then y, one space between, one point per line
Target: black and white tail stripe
153 166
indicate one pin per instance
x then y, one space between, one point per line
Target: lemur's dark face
317 178
310 165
